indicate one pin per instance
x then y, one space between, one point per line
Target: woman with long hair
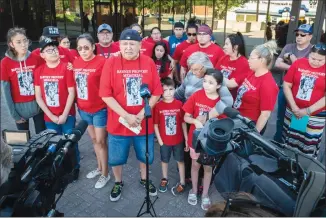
17 81
161 60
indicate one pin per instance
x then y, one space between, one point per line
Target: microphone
233 114
76 134
146 94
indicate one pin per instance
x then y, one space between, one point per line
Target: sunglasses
192 34
302 35
85 47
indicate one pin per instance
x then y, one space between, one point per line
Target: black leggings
39 123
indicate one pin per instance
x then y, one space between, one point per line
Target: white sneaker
93 174
101 182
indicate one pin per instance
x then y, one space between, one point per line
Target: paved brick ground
82 199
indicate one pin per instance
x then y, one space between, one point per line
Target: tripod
147 201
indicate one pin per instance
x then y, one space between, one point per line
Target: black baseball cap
46 42
51 31
130 34
179 25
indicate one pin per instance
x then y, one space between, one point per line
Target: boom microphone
233 114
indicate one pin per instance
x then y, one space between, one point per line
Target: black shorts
177 150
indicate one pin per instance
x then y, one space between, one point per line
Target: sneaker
116 191
192 198
93 174
101 182
75 174
205 203
178 189
163 185
152 189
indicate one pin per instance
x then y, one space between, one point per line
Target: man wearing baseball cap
120 84
106 46
213 51
52 32
289 54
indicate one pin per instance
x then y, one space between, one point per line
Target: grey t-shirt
292 48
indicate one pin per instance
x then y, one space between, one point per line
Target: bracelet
308 111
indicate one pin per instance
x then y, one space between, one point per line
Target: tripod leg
139 212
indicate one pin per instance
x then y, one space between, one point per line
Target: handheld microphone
233 114
74 137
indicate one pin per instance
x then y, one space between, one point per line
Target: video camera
277 175
42 170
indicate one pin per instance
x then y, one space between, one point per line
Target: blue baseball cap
104 26
306 28
130 34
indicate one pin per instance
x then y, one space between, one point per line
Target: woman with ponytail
234 65
17 81
257 94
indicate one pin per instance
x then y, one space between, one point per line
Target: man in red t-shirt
191 31
213 51
55 93
52 32
105 46
120 84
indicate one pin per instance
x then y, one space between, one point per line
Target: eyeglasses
104 34
192 34
197 70
302 35
51 51
24 42
202 34
85 47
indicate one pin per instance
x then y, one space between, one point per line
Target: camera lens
219 131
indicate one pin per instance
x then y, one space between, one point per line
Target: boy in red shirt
170 130
55 92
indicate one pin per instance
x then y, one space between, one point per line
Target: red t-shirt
20 75
213 51
151 41
147 48
107 51
74 53
233 69
198 104
87 77
121 79
65 55
256 94
308 84
181 49
169 117
167 70
54 84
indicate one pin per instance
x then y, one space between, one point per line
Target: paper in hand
135 130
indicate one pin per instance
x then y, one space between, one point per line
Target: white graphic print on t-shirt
306 87
25 83
133 91
82 85
170 125
241 91
51 90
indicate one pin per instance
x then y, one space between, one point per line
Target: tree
220 10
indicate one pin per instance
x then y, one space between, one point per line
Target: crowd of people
191 80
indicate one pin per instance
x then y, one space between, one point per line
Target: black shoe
116 191
75 174
152 189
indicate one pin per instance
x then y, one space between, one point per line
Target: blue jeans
66 129
97 119
119 148
281 107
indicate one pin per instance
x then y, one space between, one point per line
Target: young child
55 92
161 60
170 130
196 113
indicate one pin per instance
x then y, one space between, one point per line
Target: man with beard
105 46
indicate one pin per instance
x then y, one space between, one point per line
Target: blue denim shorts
119 148
97 119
